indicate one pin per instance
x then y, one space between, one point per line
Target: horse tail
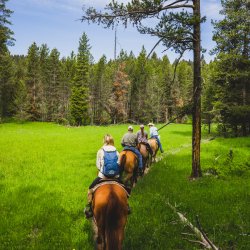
112 220
122 162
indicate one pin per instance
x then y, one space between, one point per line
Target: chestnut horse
110 208
129 168
155 147
145 155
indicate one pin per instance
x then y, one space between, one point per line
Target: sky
57 24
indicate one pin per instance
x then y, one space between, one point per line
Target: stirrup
88 211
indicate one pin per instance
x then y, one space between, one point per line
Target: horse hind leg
100 242
98 237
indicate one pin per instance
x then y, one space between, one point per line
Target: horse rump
116 216
110 212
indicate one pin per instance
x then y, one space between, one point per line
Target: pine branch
154 47
121 12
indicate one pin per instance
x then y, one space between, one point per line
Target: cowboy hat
151 124
130 128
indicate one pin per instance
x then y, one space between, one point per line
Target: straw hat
141 126
151 124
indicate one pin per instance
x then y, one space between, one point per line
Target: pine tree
184 74
97 91
54 70
119 96
20 93
165 81
68 69
79 100
6 34
209 95
6 39
33 83
233 66
7 88
139 83
45 78
154 90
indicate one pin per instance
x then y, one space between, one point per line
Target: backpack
110 167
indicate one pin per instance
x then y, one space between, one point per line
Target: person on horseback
129 142
142 137
154 134
103 173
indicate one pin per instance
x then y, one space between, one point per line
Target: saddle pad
112 182
127 149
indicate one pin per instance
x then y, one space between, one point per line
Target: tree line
42 86
75 90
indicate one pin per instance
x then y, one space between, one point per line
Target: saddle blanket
113 182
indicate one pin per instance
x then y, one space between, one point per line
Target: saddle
127 149
113 182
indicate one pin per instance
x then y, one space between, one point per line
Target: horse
155 147
110 209
145 155
128 168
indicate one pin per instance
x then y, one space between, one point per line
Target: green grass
45 171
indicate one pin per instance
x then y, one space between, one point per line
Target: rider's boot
88 211
149 149
140 172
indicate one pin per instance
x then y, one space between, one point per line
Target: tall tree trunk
244 93
196 135
209 126
244 125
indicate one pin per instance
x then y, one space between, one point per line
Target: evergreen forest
76 90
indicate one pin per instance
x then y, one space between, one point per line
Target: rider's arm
122 142
118 155
136 141
99 159
151 132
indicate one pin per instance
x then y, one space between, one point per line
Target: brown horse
145 155
129 168
110 207
155 147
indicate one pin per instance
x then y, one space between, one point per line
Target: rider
142 137
154 134
129 142
108 147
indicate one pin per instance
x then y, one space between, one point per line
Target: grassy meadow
45 171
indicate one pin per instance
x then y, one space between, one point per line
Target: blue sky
56 23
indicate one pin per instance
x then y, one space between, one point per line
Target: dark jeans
158 141
137 152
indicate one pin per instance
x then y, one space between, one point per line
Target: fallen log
203 239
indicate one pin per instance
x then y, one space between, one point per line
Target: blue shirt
153 131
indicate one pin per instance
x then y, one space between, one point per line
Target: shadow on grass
220 204
32 218
182 133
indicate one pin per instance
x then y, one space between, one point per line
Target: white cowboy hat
151 124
